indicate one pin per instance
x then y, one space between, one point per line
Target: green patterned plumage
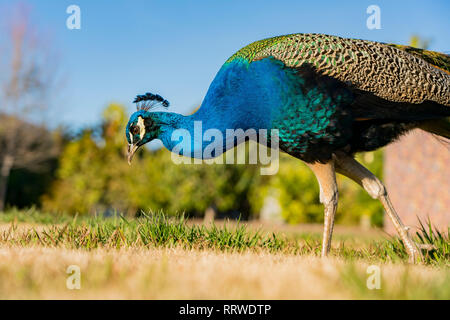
356 94
248 52
437 59
394 73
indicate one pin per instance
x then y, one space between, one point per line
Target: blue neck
242 96
196 132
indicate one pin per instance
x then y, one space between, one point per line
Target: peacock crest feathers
150 101
390 72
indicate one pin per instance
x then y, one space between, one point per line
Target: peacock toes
326 176
349 167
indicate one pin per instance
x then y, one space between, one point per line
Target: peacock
329 97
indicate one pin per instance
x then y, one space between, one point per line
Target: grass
163 273
148 231
156 256
158 230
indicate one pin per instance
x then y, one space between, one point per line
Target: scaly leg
329 197
349 167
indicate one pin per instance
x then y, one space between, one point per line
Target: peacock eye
135 130
148 122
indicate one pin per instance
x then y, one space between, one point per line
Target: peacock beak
131 150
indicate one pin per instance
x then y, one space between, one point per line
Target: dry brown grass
141 273
130 260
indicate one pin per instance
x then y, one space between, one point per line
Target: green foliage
417 41
298 193
223 187
91 174
32 175
34 216
355 205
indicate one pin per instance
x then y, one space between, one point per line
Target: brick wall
417 176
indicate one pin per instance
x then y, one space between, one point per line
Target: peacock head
142 127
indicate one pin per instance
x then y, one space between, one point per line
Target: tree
26 83
93 175
417 41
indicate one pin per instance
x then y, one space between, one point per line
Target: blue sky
175 48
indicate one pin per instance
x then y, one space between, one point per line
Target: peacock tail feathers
390 72
437 59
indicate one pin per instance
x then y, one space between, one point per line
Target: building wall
417 177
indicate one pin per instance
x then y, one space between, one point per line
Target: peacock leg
326 177
351 168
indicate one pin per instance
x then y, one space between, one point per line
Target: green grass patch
159 230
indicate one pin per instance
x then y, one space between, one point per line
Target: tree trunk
5 170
